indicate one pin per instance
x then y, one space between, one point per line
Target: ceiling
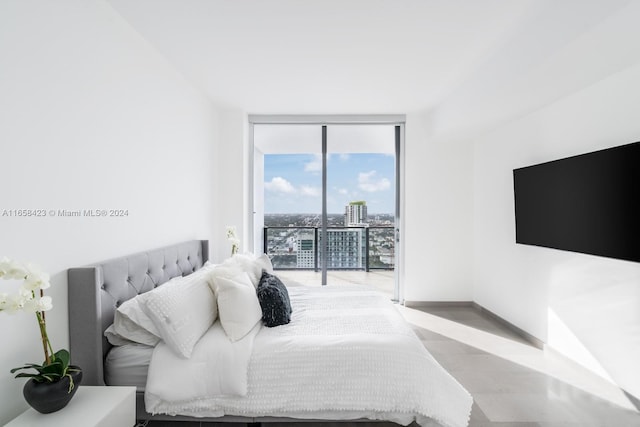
375 56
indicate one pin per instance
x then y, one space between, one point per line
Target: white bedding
128 365
217 367
346 354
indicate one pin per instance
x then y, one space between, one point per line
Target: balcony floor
381 280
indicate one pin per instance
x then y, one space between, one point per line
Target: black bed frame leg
254 424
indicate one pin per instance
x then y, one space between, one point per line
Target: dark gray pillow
274 300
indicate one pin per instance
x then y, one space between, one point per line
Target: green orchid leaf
24 375
52 372
63 356
53 368
27 366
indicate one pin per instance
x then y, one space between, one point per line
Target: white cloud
282 186
314 165
344 157
343 191
279 185
309 191
367 181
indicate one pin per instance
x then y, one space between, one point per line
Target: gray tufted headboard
96 291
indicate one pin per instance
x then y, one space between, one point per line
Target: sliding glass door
326 202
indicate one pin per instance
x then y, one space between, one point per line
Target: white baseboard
534 341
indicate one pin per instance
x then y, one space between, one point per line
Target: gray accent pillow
274 300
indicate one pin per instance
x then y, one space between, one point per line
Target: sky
293 182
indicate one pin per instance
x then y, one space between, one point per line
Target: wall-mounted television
588 203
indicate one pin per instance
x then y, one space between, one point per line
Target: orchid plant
233 239
30 298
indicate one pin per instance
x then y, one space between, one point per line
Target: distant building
345 248
387 256
305 250
355 214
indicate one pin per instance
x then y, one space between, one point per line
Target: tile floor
513 384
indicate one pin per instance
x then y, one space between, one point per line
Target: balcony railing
348 248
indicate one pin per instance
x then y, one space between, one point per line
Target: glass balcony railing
348 248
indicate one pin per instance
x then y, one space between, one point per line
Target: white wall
438 215
91 118
232 184
596 298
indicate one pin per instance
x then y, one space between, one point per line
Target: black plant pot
46 397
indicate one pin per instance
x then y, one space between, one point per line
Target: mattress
128 365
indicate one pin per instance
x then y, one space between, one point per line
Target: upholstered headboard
96 291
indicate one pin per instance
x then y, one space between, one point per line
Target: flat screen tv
588 203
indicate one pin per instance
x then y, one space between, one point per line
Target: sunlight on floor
545 361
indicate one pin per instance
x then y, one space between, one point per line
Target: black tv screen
588 203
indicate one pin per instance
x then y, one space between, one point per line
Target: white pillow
244 262
182 311
237 304
132 323
263 262
252 265
115 338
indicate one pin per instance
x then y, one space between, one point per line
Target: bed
341 358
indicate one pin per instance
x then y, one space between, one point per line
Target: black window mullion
323 247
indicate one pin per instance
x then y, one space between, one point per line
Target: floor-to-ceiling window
326 199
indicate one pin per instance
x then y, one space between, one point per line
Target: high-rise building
345 248
305 250
355 214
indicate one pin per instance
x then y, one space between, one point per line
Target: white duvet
347 354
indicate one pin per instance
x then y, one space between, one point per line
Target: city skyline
293 182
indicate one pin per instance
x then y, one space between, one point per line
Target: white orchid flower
40 304
30 305
45 303
11 269
233 239
5 265
231 232
35 279
26 294
14 304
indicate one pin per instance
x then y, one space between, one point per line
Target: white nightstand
90 407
